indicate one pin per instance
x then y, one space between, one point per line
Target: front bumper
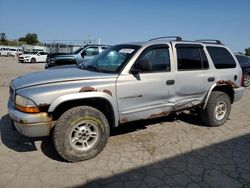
238 93
31 125
24 60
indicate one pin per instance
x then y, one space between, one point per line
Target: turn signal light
28 109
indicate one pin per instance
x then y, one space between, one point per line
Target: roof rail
177 38
210 41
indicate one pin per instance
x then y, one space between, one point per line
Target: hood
24 55
57 75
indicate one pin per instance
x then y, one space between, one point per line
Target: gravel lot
165 152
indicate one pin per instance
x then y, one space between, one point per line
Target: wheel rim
84 136
246 80
220 110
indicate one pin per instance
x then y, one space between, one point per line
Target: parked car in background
125 83
78 56
10 52
14 52
4 51
33 57
245 65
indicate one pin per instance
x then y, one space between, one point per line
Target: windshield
111 60
242 59
30 53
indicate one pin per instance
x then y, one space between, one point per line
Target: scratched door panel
193 75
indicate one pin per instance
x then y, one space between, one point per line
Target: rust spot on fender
43 107
108 92
158 115
227 82
87 89
43 104
124 120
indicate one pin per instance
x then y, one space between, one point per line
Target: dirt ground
164 152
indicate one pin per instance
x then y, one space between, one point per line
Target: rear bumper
31 125
238 93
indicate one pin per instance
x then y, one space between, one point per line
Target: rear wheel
33 60
246 80
81 133
217 110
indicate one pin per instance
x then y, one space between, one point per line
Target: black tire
75 121
210 115
33 60
246 80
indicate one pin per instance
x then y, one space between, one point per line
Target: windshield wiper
93 68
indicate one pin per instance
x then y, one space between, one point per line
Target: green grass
11 43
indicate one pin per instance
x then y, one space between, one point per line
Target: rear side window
191 58
221 57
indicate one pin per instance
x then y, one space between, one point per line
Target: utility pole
99 40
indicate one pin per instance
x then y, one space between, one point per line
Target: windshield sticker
126 50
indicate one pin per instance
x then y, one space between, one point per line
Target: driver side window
91 51
153 59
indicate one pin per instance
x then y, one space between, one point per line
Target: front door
148 91
41 57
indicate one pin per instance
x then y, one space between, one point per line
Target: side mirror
134 71
140 66
83 53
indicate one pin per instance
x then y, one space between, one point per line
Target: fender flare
85 95
228 83
208 95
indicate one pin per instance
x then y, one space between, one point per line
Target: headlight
26 105
52 60
27 57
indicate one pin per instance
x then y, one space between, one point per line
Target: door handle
170 82
211 79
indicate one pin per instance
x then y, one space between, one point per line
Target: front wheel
217 110
33 60
81 133
246 80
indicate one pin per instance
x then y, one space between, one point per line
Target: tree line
30 38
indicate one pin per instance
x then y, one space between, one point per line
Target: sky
117 21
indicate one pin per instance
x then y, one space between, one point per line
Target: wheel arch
101 102
224 86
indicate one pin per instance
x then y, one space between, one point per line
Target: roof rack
210 41
177 38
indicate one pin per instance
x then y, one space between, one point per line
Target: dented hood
58 75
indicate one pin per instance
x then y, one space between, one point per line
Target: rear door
193 76
150 92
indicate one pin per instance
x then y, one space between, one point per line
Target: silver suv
125 83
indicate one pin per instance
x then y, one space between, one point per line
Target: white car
4 51
33 57
14 52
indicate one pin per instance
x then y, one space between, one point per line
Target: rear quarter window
221 57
